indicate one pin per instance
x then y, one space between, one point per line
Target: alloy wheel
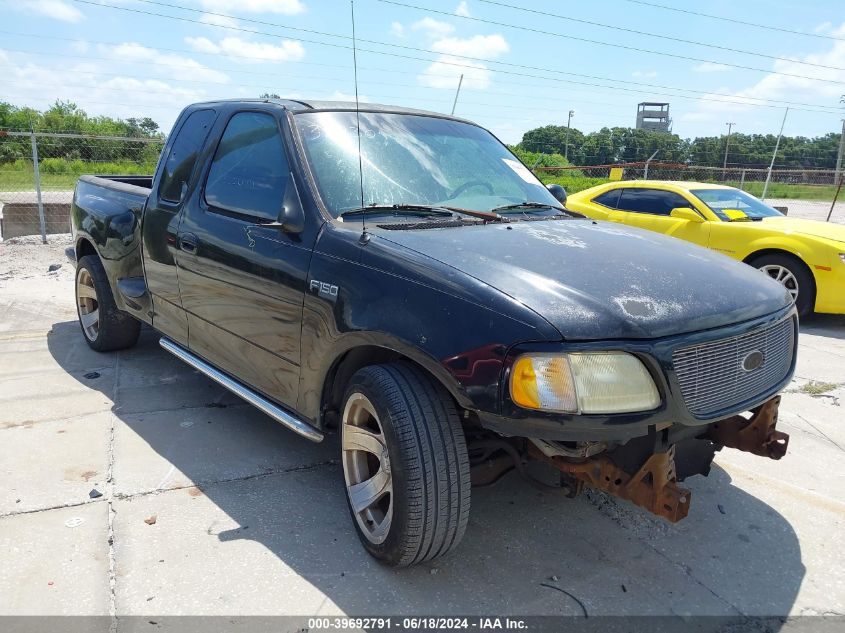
783 276
87 304
366 468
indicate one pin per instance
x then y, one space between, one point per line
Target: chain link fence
38 171
813 194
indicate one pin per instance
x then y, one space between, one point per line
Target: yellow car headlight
590 382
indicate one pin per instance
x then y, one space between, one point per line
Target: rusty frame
756 435
653 487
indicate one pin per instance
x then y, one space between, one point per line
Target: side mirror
558 192
685 213
292 216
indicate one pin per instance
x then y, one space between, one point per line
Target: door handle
188 243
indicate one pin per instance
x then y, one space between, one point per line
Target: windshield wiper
409 209
422 209
535 205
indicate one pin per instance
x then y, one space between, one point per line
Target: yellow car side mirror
685 213
735 215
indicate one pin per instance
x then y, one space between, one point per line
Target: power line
820 107
379 43
729 49
612 45
736 21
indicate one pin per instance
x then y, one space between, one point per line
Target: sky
526 63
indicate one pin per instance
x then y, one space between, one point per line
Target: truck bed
106 218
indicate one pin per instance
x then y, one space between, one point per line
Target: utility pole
460 81
727 144
774 155
840 157
568 124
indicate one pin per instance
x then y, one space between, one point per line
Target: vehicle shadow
525 551
828 325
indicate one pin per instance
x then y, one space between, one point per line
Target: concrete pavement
208 507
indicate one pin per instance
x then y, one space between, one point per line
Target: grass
61 175
815 388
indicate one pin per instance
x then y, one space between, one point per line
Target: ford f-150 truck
398 277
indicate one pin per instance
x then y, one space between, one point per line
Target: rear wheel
106 328
794 275
405 464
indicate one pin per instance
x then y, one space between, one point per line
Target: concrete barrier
21 218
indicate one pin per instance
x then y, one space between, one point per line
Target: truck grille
721 374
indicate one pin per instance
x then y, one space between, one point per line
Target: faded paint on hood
596 280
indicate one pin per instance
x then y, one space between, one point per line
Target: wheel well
775 251
83 248
345 367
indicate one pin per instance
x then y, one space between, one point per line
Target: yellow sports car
806 256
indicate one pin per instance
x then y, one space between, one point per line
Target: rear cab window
179 163
249 172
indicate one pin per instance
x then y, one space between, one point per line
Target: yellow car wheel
793 274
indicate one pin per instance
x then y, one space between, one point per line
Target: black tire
806 285
115 329
427 459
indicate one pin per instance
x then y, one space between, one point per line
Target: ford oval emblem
753 360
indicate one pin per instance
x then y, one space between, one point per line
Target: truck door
242 280
161 222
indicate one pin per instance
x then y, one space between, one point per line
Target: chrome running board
260 402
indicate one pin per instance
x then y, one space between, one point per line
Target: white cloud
710 67
339 95
287 7
446 70
397 30
79 46
246 51
432 27
202 45
824 27
485 46
98 95
778 87
218 20
644 74
462 9
180 67
288 51
56 9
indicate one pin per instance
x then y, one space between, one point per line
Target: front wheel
405 464
793 275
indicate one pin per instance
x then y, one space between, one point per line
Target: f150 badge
324 290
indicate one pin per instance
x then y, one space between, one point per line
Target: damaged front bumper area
647 470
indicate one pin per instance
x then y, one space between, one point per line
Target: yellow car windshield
720 200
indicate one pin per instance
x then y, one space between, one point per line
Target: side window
250 171
608 199
183 154
652 201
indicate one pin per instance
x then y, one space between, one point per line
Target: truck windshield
721 199
410 159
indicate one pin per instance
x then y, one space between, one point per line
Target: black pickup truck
400 278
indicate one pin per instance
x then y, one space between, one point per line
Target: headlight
599 382
842 257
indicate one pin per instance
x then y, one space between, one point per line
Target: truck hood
596 280
812 228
